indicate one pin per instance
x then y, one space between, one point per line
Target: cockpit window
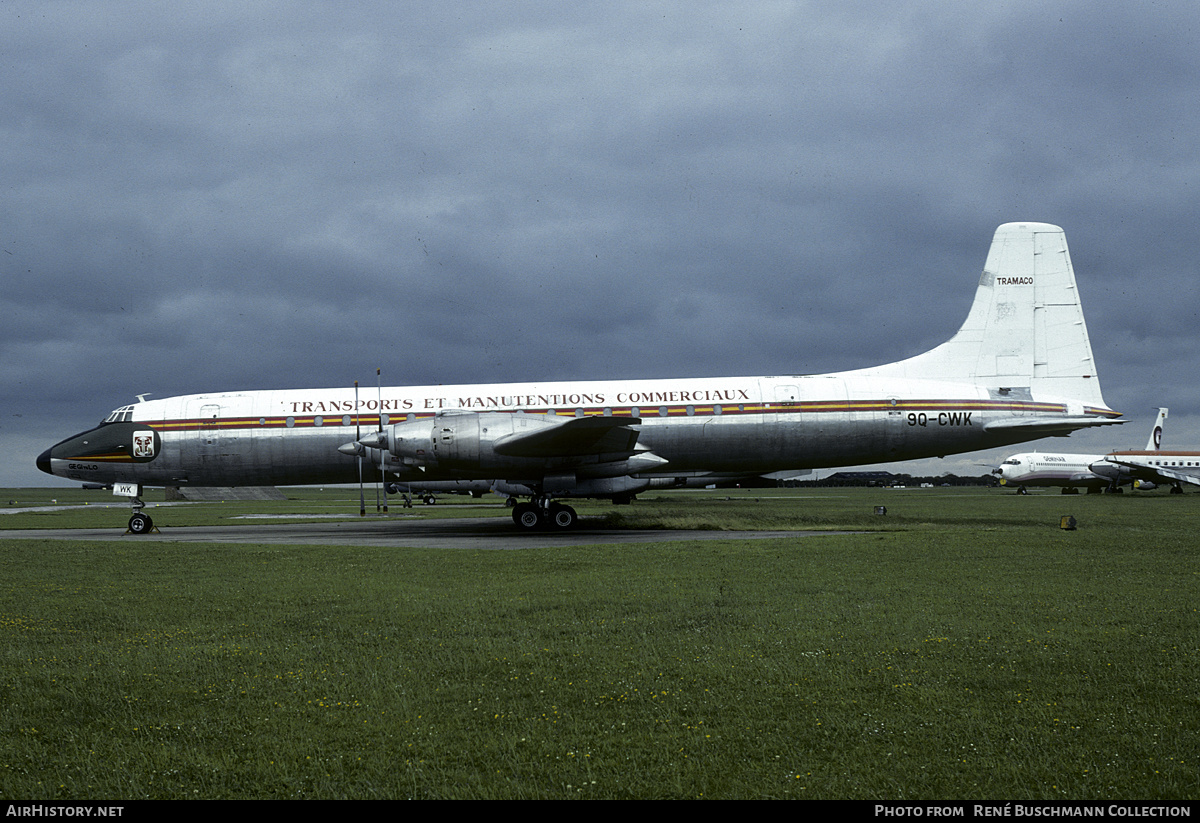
121 415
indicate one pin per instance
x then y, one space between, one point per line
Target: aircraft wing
1179 476
1144 469
1060 426
576 436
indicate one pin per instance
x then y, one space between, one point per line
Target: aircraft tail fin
1155 441
1025 335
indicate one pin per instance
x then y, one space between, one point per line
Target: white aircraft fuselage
711 425
1075 471
1020 368
1050 469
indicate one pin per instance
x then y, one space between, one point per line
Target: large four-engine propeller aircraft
1150 467
1019 369
1075 471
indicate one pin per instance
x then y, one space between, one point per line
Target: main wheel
562 516
140 523
527 516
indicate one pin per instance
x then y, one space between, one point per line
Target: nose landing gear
140 522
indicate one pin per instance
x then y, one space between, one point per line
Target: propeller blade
362 502
382 487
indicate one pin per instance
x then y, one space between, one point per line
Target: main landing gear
544 512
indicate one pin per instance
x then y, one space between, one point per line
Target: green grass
98 509
963 647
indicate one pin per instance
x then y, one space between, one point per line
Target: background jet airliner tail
1155 441
1025 335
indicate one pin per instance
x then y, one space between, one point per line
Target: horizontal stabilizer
1059 426
577 436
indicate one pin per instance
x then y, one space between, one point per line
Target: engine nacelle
481 445
411 442
457 441
569 485
1112 471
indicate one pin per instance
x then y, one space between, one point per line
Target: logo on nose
143 444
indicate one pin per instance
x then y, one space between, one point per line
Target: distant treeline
889 479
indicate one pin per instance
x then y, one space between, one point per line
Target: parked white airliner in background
1020 368
1153 467
1074 471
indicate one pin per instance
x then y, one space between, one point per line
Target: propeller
362 503
382 487
360 447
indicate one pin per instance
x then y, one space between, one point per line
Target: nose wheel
140 523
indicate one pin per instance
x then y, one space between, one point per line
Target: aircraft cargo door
894 425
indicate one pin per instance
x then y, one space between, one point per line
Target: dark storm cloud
254 195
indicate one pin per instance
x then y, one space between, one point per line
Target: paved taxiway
454 533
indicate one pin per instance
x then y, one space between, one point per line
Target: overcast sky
228 196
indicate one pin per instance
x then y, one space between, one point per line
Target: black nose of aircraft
43 461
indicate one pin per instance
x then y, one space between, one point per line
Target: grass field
962 647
